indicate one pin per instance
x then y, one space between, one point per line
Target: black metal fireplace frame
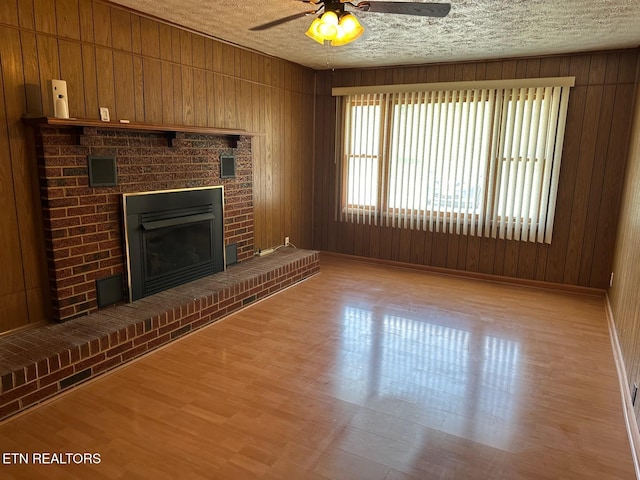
157 211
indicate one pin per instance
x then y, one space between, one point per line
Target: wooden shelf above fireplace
171 130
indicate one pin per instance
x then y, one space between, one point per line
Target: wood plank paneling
23 263
200 96
210 89
138 90
90 73
592 168
68 18
45 16
186 50
31 73
166 41
167 93
624 295
197 47
9 12
12 278
136 35
48 59
71 72
612 184
153 79
218 102
124 87
26 14
187 96
582 189
102 24
597 179
121 30
150 34
229 118
176 95
13 309
146 71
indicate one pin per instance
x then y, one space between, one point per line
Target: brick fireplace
83 224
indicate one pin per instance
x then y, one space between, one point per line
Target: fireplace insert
172 237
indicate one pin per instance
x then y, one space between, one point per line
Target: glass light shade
329 18
350 24
349 29
312 31
328 27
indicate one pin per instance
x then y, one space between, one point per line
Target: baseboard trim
629 415
474 275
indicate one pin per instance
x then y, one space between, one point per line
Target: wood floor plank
361 372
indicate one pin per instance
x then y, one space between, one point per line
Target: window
472 159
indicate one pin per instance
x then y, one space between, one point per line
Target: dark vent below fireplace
172 238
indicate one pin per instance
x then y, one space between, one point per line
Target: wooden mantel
232 134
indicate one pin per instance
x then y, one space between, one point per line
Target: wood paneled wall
144 71
624 295
591 176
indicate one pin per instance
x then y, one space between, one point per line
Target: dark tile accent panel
248 300
40 363
77 378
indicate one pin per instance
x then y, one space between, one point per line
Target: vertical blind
474 159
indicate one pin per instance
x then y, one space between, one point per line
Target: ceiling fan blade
282 20
406 8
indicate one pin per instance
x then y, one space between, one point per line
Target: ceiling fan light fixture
339 31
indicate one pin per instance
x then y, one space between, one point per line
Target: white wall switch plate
104 114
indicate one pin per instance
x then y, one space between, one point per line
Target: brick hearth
40 363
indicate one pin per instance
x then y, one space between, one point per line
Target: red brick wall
83 225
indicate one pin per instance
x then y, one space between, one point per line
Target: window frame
488 212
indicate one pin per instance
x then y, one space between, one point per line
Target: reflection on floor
391 358
361 372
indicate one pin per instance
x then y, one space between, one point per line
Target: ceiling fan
337 25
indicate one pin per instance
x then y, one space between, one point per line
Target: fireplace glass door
173 238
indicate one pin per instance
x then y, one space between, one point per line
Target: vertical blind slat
563 92
472 164
445 132
341 151
499 195
517 163
535 103
455 159
384 190
548 167
433 149
544 167
422 175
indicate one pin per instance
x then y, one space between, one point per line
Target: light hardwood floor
362 372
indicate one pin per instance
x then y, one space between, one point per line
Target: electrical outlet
611 280
286 241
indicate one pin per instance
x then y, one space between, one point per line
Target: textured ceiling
474 29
